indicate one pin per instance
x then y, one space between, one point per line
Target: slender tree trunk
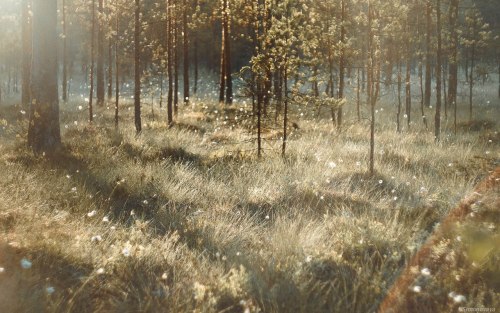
445 98
453 66
372 98
471 77
100 57
161 89
259 117
285 113
170 119
176 63
222 81
117 70
358 96
422 109
65 54
398 114
44 134
341 62
137 67
408 88
227 53
26 30
195 90
110 65
92 64
437 121
185 38
428 78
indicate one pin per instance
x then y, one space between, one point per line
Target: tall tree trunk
358 98
408 87
422 109
65 54
26 53
185 38
259 116
285 113
471 77
437 120
195 90
44 133
222 80
453 66
137 67
341 62
117 70
445 98
227 53
195 57
110 64
170 119
100 56
176 62
428 56
92 64
398 114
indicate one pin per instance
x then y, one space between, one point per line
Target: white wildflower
425 272
459 299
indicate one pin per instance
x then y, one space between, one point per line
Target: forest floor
188 219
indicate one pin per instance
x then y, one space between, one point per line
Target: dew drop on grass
417 289
92 213
2 270
126 252
100 271
50 290
26 264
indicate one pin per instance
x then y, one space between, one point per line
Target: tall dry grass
187 219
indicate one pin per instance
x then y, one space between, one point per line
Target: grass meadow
188 219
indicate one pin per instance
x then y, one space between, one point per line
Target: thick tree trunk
44 133
137 67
